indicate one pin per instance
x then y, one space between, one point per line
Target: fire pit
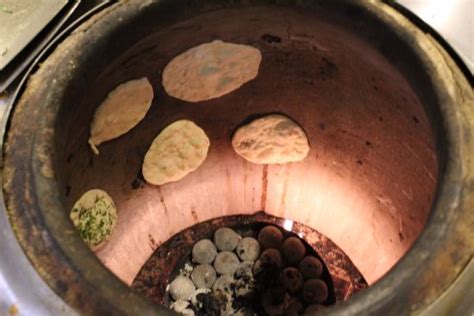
173 258
383 197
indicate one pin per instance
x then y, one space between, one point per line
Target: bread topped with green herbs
95 216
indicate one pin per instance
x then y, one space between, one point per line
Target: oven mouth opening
367 183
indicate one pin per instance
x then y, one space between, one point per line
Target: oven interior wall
367 182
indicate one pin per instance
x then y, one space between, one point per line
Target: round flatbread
210 70
178 150
95 216
272 139
123 109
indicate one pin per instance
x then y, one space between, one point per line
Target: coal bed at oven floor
248 265
270 272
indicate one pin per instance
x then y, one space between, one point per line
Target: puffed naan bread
272 139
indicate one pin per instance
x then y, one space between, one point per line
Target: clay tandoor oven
389 116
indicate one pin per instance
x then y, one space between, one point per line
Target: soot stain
152 242
69 158
263 201
139 181
271 39
162 200
328 69
194 215
353 12
91 162
400 235
308 82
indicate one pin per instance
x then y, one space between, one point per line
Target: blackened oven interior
367 183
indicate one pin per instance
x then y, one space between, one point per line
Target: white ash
181 307
187 270
182 288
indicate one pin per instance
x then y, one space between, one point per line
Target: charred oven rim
48 238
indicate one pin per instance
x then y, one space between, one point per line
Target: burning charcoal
273 301
292 279
196 298
211 305
315 291
293 250
244 270
311 309
226 239
222 293
310 267
245 311
244 302
267 268
243 287
270 259
270 237
223 284
248 249
294 308
204 251
245 282
203 276
226 263
182 288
